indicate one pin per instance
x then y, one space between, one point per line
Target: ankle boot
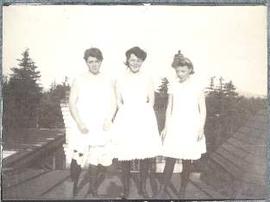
126 187
92 176
75 171
144 167
125 192
184 178
125 179
161 193
100 176
143 190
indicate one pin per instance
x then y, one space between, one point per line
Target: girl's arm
168 110
119 100
151 93
151 97
112 109
73 98
202 112
167 116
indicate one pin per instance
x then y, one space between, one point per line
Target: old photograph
134 102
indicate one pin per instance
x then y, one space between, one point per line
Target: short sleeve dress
94 105
135 133
184 123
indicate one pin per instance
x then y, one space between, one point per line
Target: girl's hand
200 134
107 124
82 127
163 134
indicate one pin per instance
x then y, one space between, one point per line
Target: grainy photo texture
134 102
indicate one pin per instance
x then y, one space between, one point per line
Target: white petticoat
88 150
135 133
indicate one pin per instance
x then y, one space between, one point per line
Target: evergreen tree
163 88
23 94
211 88
50 112
230 90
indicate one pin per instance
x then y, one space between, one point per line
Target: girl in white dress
136 131
183 134
92 106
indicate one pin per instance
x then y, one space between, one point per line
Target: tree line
227 111
27 105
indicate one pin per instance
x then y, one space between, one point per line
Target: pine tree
51 116
23 93
211 89
163 88
230 89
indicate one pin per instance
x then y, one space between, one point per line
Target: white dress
136 134
94 106
184 123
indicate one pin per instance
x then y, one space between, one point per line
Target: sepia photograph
109 102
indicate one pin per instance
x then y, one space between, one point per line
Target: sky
227 41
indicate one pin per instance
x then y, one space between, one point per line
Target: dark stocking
167 173
185 177
153 182
101 174
125 175
144 167
92 179
75 171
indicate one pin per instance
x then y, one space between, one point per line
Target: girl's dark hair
179 60
136 51
93 52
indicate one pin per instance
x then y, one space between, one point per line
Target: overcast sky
220 41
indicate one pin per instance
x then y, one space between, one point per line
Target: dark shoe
92 190
75 170
75 189
181 193
125 193
161 194
142 192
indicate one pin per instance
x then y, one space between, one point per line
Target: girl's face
134 63
93 64
182 73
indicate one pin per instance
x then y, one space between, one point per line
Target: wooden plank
262 117
256 133
194 192
34 188
249 148
254 173
242 170
253 151
226 165
83 186
63 191
208 190
25 158
244 129
238 162
254 179
234 150
253 137
259 157
12 179
262 125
